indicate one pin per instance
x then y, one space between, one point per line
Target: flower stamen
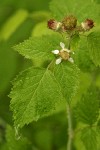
64 54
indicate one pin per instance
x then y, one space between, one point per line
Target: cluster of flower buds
69 23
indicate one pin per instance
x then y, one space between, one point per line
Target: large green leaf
81 9
35 94
67 75
94 47
39 47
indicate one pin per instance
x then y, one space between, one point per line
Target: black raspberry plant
41 91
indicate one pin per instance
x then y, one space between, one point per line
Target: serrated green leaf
35 94
81 9
67 75
89 139
39 47
12 24
93 40
82 57
13 143
87 109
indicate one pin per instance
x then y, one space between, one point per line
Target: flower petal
55 51
58 61
71 60
62 45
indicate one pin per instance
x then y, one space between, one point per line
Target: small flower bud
87 24
69 22
54 25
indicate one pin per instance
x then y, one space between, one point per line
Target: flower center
64 55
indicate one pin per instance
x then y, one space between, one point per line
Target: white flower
64 54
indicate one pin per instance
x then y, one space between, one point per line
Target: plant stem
70 128
69 40
69 114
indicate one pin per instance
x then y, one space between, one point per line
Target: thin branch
70 128
69 41
69 115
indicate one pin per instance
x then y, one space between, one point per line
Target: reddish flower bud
54 25
69 22
87 24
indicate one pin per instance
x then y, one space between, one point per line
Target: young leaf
67 75
87 109
39 47
81 9
13 143
89 139
35 94
94 47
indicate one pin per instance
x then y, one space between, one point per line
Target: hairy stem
69 114
69 42
70 128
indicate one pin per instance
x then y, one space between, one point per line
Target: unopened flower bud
87 24
69 22
54 25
